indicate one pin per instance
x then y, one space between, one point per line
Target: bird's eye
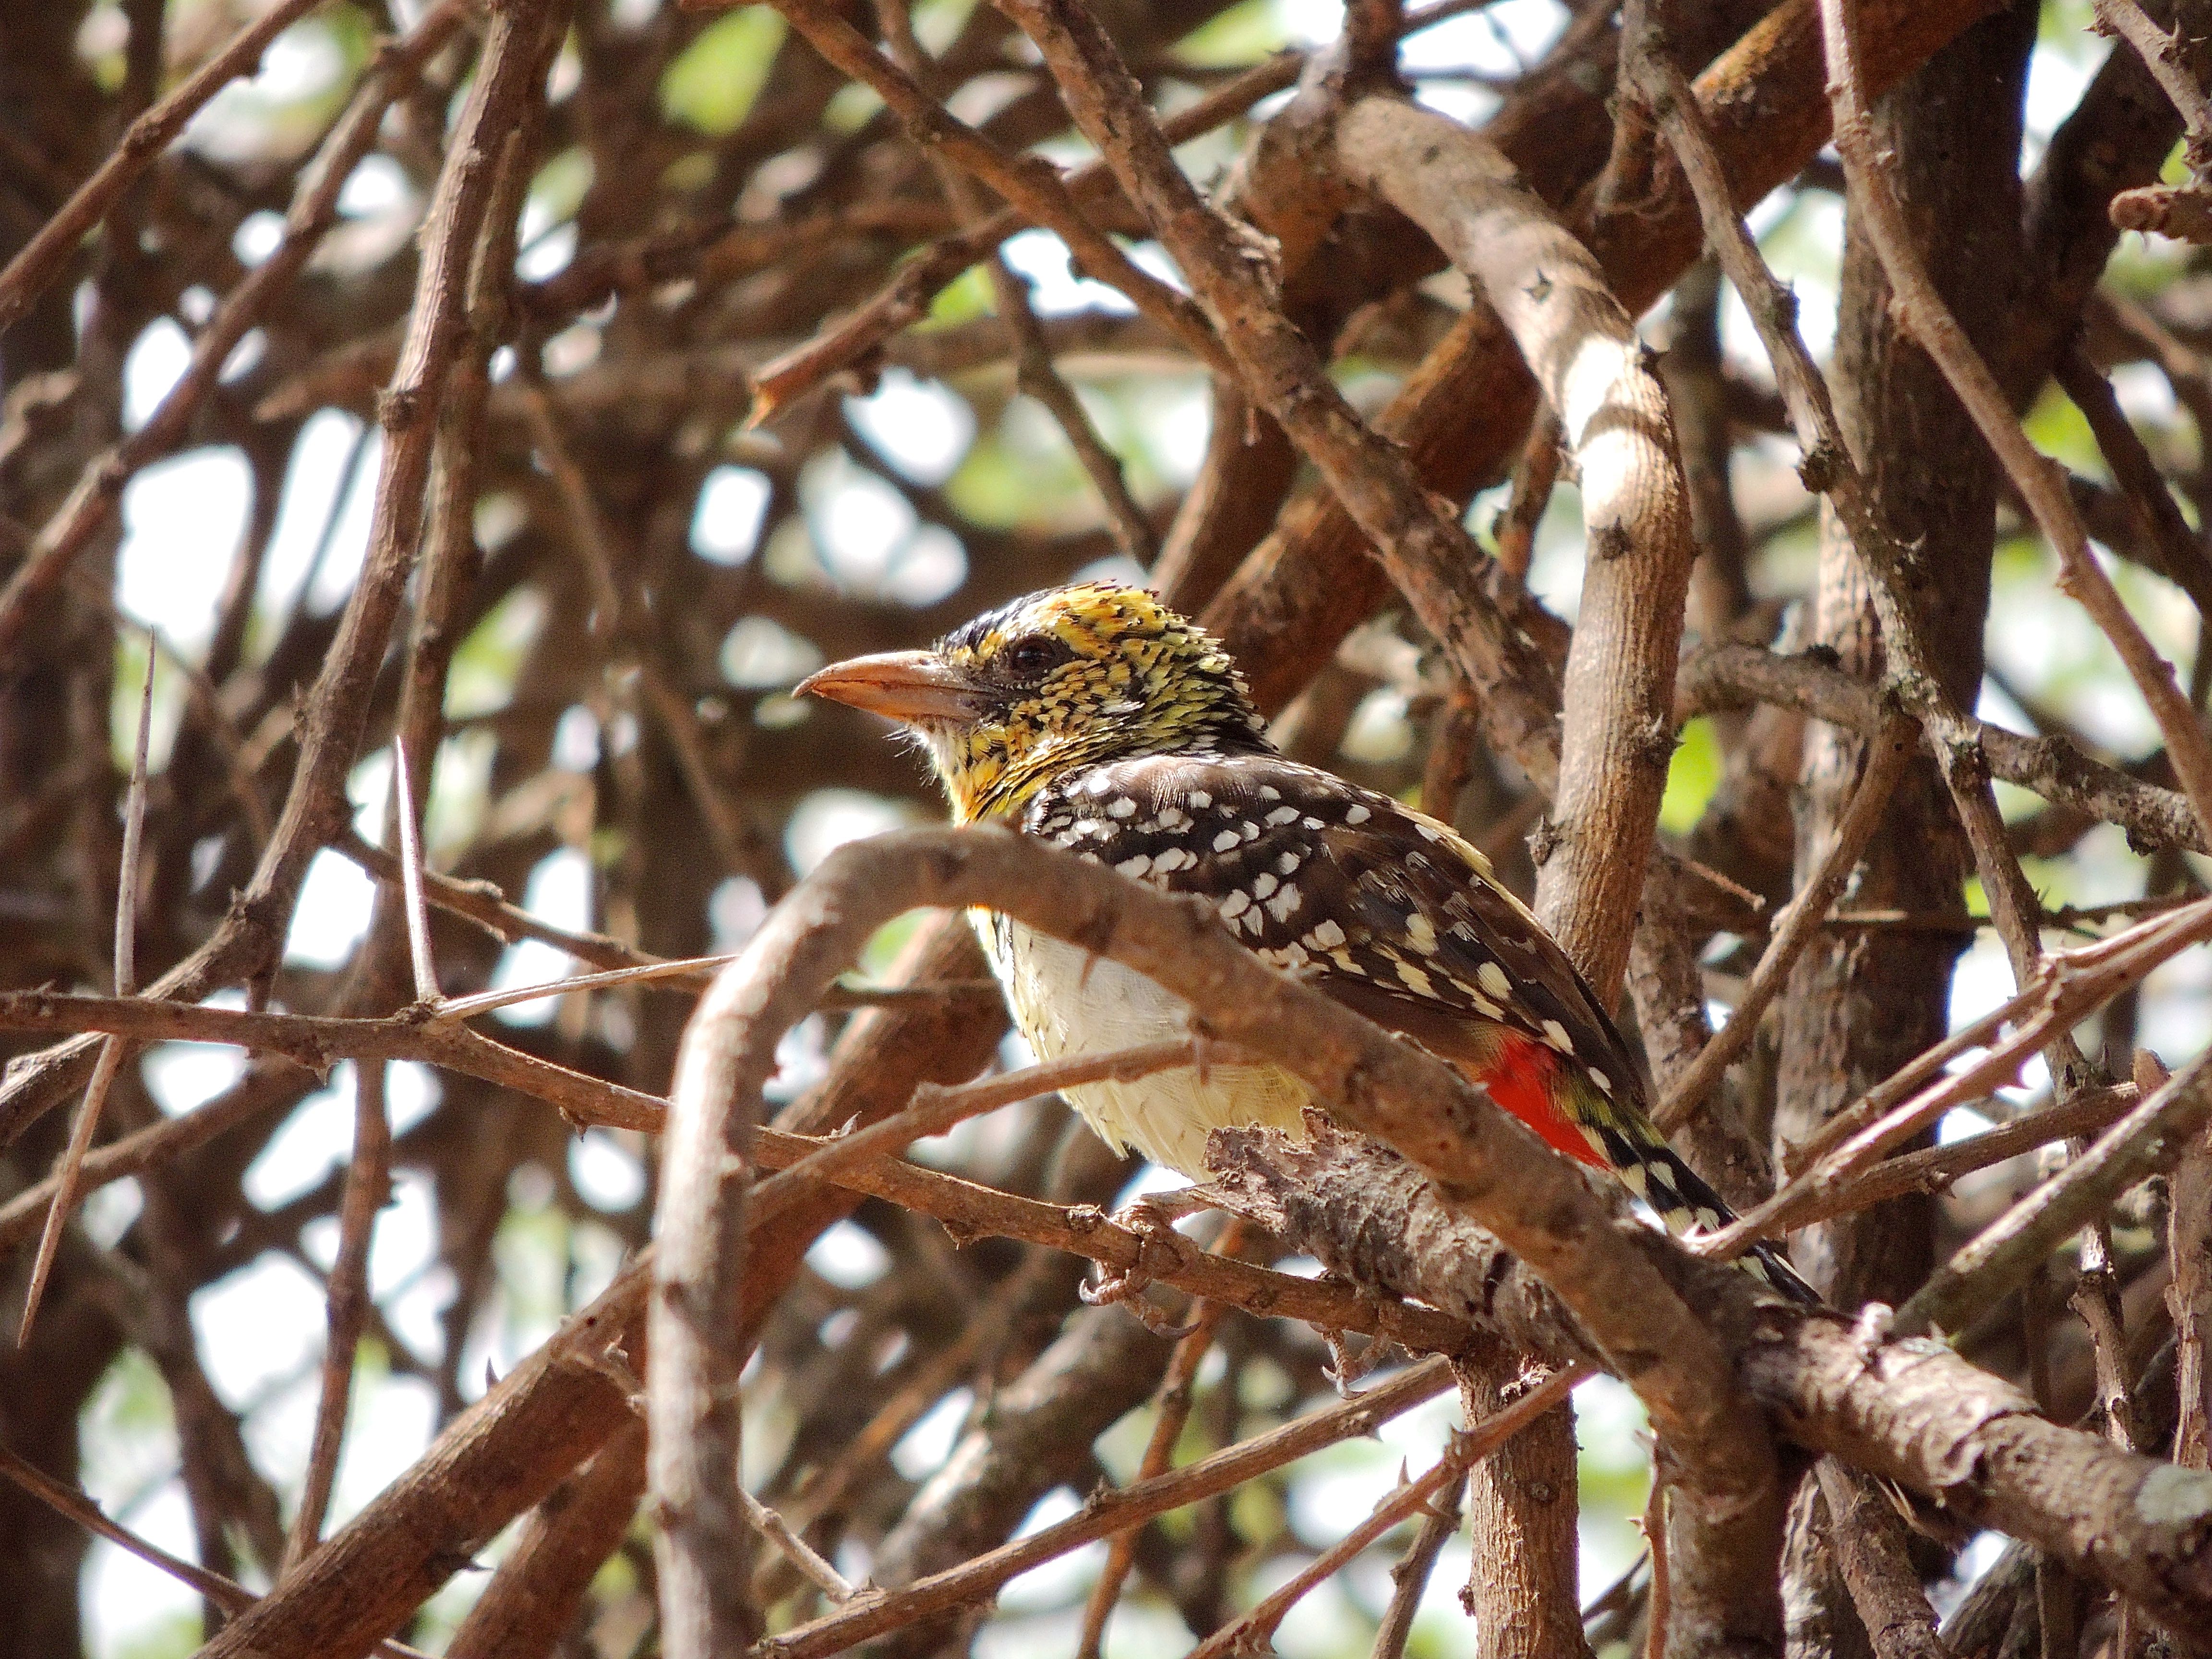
1034 655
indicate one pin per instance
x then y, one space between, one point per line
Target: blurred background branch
548 389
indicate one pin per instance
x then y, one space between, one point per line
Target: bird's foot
1346 1368
1152 1218
1871 1329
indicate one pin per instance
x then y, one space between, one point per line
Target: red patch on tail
1524 1078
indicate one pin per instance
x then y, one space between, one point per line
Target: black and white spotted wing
1385 908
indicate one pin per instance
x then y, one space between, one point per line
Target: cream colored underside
1067 1001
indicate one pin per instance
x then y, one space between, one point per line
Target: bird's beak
916 688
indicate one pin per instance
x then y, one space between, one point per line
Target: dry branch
99 492
1726 675
1909 1410
368 1188
1027 184
1452 1133
41 259
874 1612
2148 1140
233 1596
1430 554
1804 917
550 533
1582 347
1920 312
337 712
1462 413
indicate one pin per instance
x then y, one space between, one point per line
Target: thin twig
1409 1577
1027 184
1254 1631
2151 1138
2071 985
2096 1303
796 1550
482 903
690 969
744 851
267 1089
134 835
2179 553
34 269
1920 312
70 1172
1915 672
1728 675
225 1593
2189 1298
1171 1403
1656 1608
1802 921
581 522
205 701
367 1187
485 904
99 485
905 300
871 1612
66 1176
936 1110
1034 371
1933 1169
1533 476
410 878
2161 52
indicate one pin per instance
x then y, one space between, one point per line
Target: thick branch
1430 555
1911 1410
1542 1208
1727 676
1583 348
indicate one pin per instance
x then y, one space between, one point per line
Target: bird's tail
1636 1151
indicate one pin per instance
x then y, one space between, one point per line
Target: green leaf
962 299
1692 777
2058 429
713 85
1237 37
482 681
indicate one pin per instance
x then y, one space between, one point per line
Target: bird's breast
1067 1001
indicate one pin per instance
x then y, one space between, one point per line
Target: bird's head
1049 685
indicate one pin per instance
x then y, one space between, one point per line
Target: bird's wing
1385 908
1394 914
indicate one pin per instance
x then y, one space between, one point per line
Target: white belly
1067 1001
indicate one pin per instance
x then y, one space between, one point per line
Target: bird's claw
1346 1368
1152 1218
1871 1329
1128 1289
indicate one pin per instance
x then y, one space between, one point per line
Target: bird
1095 719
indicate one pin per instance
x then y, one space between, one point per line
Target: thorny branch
581 586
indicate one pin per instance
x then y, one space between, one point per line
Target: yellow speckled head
1051 684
